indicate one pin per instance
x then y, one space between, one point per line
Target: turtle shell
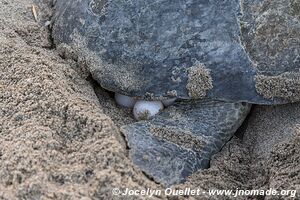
220 49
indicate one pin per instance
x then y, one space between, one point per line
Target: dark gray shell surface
148 48
182 139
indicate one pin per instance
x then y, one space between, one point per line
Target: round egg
168 102
143 110
124 100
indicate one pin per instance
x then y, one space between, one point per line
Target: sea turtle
216 57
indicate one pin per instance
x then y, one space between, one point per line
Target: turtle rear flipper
182 139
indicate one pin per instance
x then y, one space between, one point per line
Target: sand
59 131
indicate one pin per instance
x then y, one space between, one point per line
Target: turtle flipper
182 139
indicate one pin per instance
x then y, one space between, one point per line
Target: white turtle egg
143 110
168 102
124 100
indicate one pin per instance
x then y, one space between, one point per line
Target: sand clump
199 81
285 86
182 138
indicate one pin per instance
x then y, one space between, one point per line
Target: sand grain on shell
285 86
199 81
